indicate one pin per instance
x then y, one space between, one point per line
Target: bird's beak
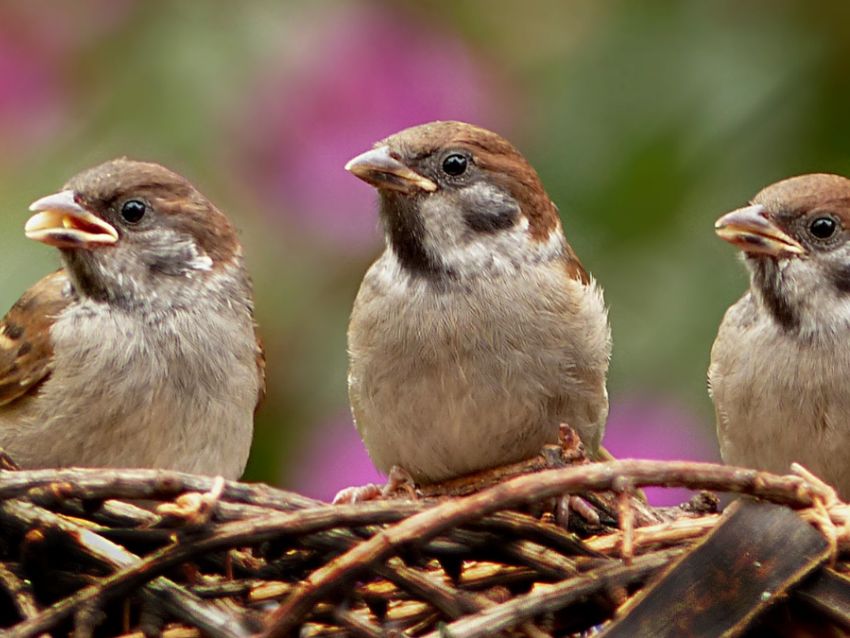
380 169
60 221
751 230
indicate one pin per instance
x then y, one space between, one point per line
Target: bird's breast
173 391
780 399
444 383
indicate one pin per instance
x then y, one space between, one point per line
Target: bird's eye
133 210
823 227
454 164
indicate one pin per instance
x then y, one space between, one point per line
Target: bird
477 331
142 350
781 361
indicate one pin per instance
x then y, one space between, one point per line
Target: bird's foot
358 494
399 485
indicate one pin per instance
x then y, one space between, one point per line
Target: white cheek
201 262
391 276
824 310
442 225
448 237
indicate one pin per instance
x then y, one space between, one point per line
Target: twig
626 518
194 509
654 535
101 484
206 616
86 619
169 632
19 592
547 563
358 626
549 598
132 573
452 602
391 545
517 492
174 597
533 529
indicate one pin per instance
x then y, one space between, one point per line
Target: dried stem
364 569
549 598
521 491
174 597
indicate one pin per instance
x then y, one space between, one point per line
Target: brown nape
109 184
491 152
524 185
218 240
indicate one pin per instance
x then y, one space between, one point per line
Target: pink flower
333 458
31 101
57 30
658 429
38 44
365 74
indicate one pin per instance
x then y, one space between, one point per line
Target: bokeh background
645 120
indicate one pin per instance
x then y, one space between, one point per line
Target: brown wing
25 350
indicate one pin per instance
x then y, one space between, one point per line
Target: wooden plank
718 588
828 592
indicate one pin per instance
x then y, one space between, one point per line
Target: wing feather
26 353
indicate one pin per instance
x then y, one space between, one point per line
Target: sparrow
477 332
780 365
141 351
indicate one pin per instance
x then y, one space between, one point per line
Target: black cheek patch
768 279
403 224
491 218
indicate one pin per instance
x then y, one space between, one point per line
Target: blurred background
645 120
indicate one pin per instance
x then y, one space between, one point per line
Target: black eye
455 164
133 210
823 227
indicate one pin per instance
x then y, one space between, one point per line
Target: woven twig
86 550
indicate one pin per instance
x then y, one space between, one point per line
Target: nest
571 550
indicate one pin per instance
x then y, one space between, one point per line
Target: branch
519 491
176 599
548 598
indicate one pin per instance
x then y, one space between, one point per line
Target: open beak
751 230
380 169
59 221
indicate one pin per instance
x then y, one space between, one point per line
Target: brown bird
781 362
477 331
141 351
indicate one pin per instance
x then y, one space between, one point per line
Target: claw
358 494
399 483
